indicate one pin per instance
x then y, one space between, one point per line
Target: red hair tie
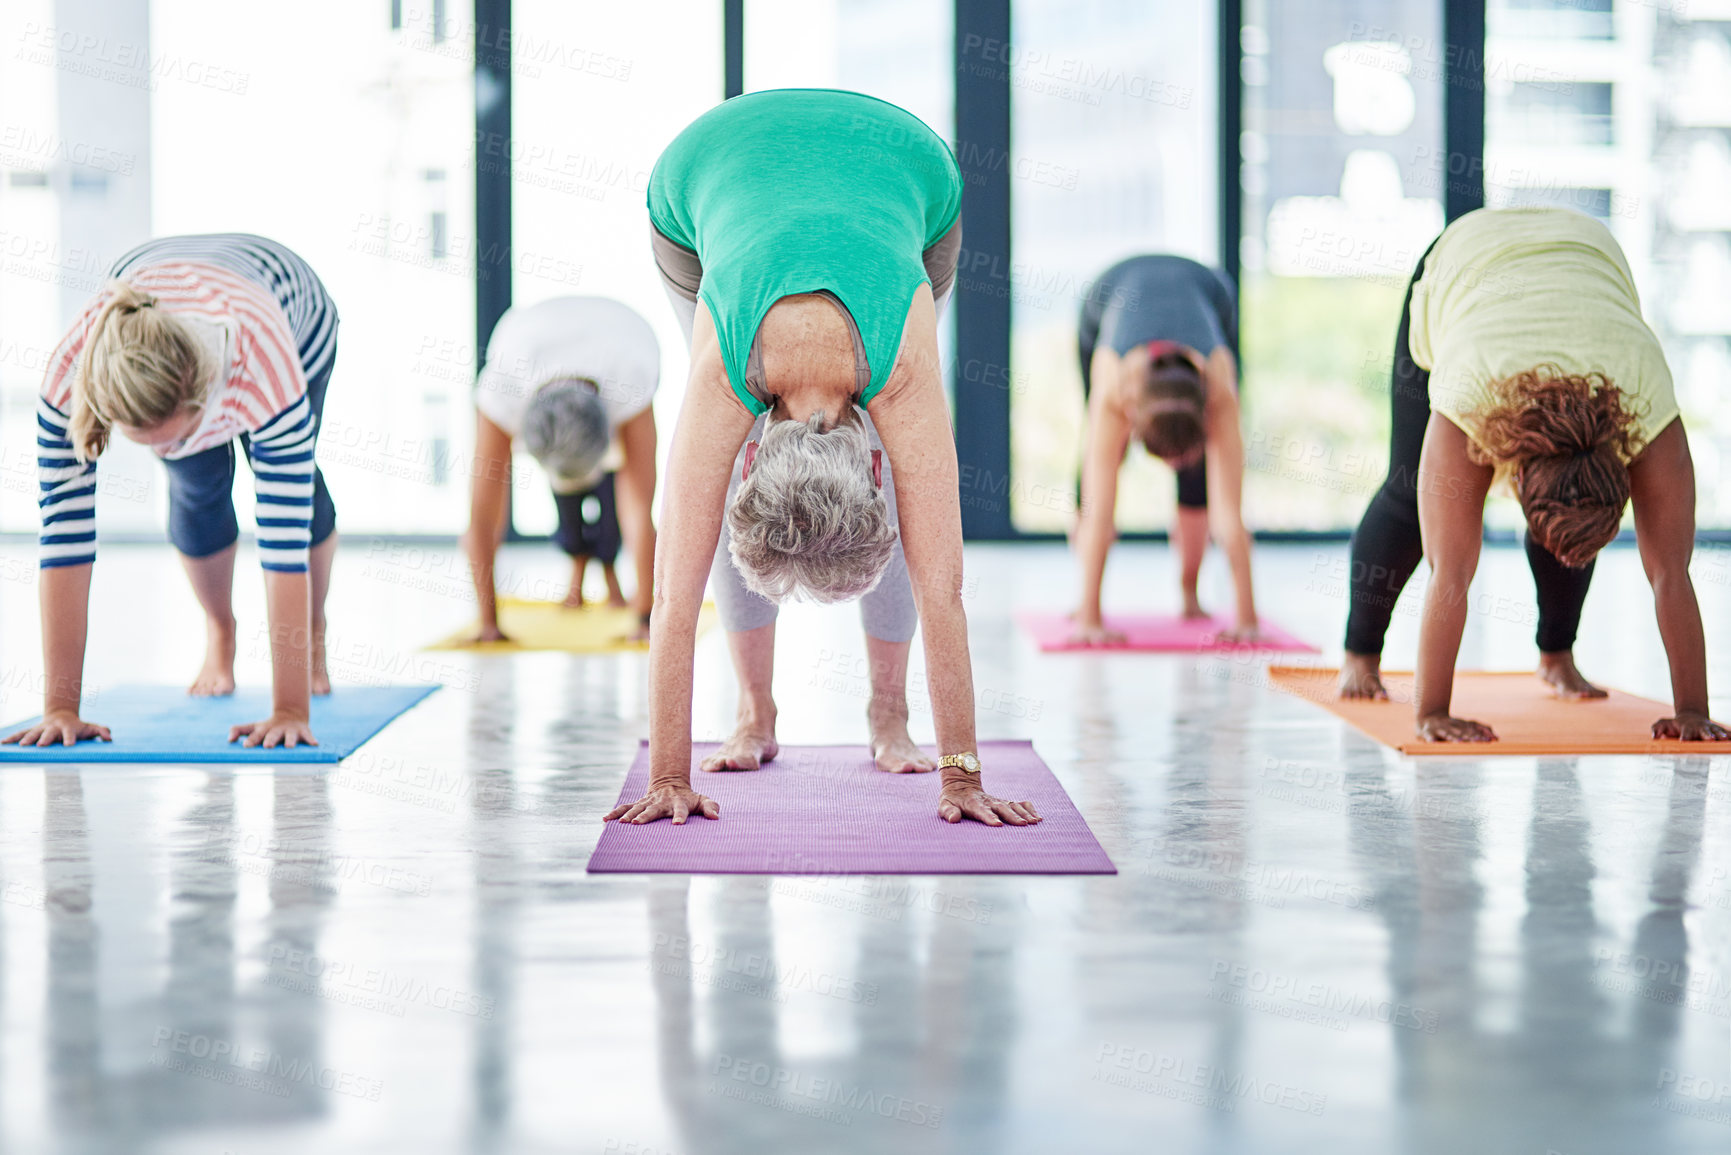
750 456
1159 349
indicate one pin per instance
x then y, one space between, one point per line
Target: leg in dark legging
1562 592
1388 547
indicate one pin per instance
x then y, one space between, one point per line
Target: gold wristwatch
966 763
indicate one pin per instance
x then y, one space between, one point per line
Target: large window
1623 111
1570 114
1113 154
348 134
75 193
580 181
598 90
341 136
352 142
897 50
1343 183
197 116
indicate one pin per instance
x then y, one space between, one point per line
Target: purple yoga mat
828 810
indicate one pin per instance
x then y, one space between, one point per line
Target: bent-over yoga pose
197 342
1159 337
1522 359
806 238
574 378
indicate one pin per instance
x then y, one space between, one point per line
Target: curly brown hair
1568 438
1168 415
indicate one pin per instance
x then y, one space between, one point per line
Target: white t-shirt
594 337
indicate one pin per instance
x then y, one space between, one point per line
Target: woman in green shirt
808 238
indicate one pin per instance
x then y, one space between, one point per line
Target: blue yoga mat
166 724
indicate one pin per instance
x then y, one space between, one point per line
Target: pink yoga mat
828 810
1154 633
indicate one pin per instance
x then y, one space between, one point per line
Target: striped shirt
311 315
262 392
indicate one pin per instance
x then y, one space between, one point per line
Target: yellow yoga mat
594 629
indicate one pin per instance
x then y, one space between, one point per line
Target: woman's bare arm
1451 514
712 426
635 486
489 507
1225 455
1662 491
288 616
65 597
913 419
1108 437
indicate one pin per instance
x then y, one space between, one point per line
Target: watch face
970 763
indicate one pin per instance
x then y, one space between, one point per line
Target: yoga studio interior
1249 482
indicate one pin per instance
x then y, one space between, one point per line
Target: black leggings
1387 547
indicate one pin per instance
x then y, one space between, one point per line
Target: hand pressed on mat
1448 728
1242 634
675 801
1691 726
1085 633
963 797
62 727
283 729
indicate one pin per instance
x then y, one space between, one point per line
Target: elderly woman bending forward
806 239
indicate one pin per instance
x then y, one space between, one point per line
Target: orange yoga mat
1527 718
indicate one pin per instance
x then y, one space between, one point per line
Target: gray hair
567 431
809 521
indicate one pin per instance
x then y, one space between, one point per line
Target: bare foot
1193 611
615 595
1565 680
321 675
751 745
1361 676
573 598
216 677
894 751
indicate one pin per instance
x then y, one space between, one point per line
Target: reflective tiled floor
1313 945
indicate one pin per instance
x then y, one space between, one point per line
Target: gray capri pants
887 612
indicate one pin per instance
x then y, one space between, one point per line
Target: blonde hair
139 367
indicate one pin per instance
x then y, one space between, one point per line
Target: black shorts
1193 486
589 523
201 519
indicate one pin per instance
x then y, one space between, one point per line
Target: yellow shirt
1506 290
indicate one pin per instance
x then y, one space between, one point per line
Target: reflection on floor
1313 945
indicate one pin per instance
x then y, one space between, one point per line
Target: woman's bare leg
1565 678
1361 676
753 740
574 594
1190 536
212 578
319 561
887 713
615 595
